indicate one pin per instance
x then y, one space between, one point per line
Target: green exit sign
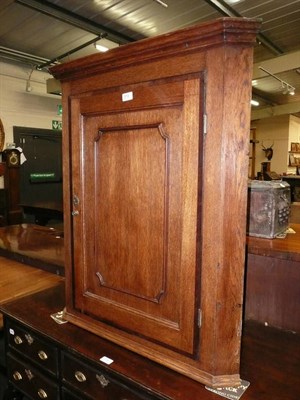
56 125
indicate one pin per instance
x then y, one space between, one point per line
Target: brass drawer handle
80 377
29 374
42 355
29 338
42 394
18 340
102 380
17 376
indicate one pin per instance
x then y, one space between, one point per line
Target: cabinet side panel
224 204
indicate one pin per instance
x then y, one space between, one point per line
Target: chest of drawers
32 362
40 368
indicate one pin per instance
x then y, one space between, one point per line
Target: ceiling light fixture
28 86
233 1
101 48
28 83
287 88
162 3
57 59
104 45
291 91
254 103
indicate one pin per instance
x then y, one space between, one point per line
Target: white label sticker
127 96
11 331
106 360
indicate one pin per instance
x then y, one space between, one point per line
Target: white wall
18 107
283 130
294 130
35 109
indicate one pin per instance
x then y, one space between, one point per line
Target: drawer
32 346
93 382
67 395
30 381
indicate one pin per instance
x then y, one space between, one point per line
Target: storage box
268 208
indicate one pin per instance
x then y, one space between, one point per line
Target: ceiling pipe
56 59
289 88
74 19
17 55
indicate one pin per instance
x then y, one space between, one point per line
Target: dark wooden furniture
39 246
41 174
294 182
273 281
63 361
18 280
44 211
156 255
3 198
3 207
11 165
10 211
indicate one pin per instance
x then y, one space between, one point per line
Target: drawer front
30 381
67 395
94 383
33 347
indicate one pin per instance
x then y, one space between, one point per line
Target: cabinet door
135 178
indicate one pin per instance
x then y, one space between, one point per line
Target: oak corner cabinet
155 144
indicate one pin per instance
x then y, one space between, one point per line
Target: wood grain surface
18 280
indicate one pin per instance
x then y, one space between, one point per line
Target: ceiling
39 33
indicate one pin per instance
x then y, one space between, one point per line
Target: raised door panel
136 207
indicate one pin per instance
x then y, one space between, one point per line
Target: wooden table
273 281
35 245
44 211
285 249
18 280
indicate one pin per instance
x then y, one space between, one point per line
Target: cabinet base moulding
190 369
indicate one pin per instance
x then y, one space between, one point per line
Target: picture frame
292 159
294 146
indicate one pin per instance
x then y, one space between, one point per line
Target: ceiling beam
223 8
76 20
276 65
267 112
58 58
